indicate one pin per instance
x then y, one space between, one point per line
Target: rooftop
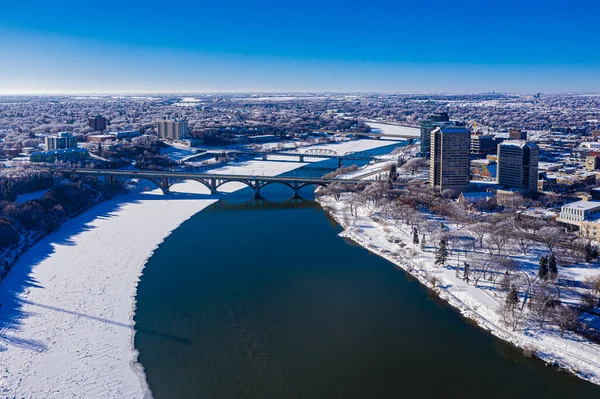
585 205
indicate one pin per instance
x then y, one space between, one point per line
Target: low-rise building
125 135
99 138
65 155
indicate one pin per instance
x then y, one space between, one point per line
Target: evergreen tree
393 175
552 266
543 270
441 255
512 298
591 252
415 236
423 243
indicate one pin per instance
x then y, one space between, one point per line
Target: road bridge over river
165 179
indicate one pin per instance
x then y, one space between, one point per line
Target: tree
423 243
552 267
512 298
466 272
511 315
393 173
543 269
442 253
565 317
415 236
506 281
415 164
540 304
591 252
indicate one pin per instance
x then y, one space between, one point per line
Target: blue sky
386 46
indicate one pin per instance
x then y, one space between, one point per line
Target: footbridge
165 179
300 154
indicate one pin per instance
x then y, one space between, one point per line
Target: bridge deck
184 175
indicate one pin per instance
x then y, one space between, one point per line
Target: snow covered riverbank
371 229
66 321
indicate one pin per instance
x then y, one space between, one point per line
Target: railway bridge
309 153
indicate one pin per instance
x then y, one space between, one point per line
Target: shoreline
66 325
584 364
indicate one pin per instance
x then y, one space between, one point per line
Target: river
262 299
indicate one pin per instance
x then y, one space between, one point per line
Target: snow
66 324
376 233
394 130
31 196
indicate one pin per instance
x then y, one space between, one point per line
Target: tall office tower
518 165
449 164
427 125
60 141
517 134
173 130
98 123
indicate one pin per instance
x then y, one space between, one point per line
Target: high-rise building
517 134
427 126
98 123
518 165
61 141
449 164
173 130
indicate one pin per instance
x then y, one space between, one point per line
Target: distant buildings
517 134
64 155
427 126
449 166
483 144
124 135
518 165
60 141
172 130
98 123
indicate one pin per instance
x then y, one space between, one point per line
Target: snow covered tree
543 269
441 255
415 236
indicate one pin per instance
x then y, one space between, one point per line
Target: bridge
165 179
318 153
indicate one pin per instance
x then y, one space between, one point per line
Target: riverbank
393 241
66 321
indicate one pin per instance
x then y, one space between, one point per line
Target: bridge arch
201 181
248 183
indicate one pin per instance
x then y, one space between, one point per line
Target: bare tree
565 317
540 304
479 231
415 165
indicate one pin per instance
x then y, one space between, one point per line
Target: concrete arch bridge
165 179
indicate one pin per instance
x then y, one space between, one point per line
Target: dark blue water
262 299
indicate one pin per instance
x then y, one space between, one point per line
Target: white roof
585 205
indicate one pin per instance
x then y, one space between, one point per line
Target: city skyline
271 47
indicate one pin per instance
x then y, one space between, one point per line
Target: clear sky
307 45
